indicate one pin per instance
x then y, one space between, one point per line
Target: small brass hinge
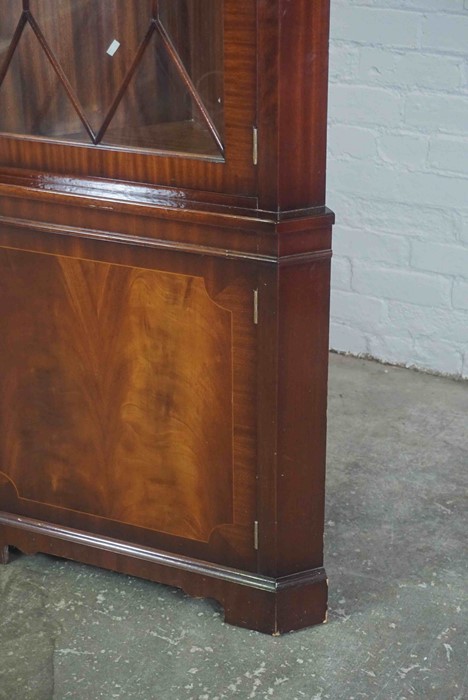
255 146
256 534
255 314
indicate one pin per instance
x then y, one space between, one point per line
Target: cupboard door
128 402
152 78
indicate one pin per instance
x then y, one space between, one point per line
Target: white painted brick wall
398 181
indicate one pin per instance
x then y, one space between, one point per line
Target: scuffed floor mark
449 651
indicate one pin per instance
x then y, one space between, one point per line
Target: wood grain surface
117 393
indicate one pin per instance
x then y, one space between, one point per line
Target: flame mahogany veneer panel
121 388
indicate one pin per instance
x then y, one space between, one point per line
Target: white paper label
113 48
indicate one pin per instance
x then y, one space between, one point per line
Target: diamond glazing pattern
111 73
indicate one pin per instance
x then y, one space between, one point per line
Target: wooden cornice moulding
159 244
162 203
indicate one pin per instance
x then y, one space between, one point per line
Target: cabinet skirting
270 605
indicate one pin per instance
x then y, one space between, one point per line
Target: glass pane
169 120
81 34
32 99
196 29
10 15
139 74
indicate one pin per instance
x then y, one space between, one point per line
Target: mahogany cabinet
164 294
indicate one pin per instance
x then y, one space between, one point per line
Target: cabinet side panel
303 102
293 88
302 401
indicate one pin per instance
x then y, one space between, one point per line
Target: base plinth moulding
262 603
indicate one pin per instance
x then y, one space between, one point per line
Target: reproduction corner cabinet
164 294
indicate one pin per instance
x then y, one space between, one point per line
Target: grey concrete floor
396 559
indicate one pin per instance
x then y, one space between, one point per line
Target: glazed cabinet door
160 91
128 394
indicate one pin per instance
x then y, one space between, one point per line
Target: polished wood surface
135 370
292 110
267 604
164 317
144 384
